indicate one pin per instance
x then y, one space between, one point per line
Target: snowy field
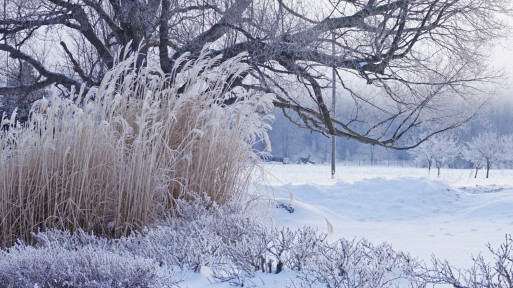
452 217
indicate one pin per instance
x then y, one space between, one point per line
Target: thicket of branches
237 246
401 66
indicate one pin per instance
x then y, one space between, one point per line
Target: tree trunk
475 175
165 63
438 171
488 165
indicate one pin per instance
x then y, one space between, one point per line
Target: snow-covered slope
452 217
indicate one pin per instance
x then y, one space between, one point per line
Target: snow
452 217
262 280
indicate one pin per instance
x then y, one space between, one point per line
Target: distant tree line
483 143
485 151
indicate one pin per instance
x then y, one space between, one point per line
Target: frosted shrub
200 236
306 244
236 247
117 158
188 241
347 264
86 266
197 237
261 248
244 254
498 273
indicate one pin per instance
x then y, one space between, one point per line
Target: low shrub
86 266
237 247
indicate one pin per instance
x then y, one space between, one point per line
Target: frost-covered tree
439 150
423 153
471 156
446 150
508 147
427 60
486 150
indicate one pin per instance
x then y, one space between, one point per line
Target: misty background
291 142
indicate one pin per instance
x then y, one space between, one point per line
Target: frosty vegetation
438 150
488 149
237 246
483 151
153 151
117 158
401 66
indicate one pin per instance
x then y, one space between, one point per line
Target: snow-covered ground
452 217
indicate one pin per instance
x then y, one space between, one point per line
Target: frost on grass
119 157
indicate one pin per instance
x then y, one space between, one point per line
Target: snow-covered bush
117 158
356 264
231 245
202 234
80 266
307 244
188 241
498 273
244 252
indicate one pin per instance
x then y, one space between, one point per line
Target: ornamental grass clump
117 158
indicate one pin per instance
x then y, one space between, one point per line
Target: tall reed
116 159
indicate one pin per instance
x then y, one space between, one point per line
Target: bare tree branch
76 66
25 88
51 76
404 66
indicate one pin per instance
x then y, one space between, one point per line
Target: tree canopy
403 66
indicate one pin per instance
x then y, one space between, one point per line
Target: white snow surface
452 216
